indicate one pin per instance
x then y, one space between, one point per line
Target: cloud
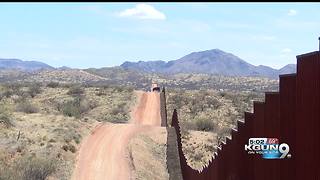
143 11
292 12
286 50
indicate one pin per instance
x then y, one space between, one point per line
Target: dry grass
207 112
199 147
27 168
49 131
148 154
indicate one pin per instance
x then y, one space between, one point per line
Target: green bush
29 168
76 107
27 107
11 89
6 120
117 114
53 84
71 109
6 93
100 92
34 89
37 168
69 147
76 90
116 118
204 124
5 116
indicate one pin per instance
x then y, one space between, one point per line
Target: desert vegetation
29 168
47 113
207 117
141 80
42 125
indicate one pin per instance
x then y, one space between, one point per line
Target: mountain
213 61
290 68
23 65
150 66
64 68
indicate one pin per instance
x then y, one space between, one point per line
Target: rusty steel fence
292 115
163 108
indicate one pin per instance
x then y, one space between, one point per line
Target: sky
83 35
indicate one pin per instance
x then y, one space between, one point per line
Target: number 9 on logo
284 150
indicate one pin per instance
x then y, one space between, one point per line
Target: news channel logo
269 148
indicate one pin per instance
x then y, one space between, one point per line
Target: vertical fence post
248 132
239 150
287 123
234 160
222 162
258 132
307 121
272 130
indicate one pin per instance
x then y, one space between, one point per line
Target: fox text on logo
269 148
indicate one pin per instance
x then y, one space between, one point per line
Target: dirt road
103 155
147 112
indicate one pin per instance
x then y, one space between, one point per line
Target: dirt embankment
103 155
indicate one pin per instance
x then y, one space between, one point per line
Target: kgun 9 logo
269 148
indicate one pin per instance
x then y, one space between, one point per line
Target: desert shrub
77 139
116 118
6 93
29 168
37 168
188 125
100 92
72 148
14 87
5 116
222 94
222 133
53 84
11 89
5 119
65 147
86 105
26 107
69 147
185 133
116 110
121 88
76 107
196 156
76 90
70 135
117 114
205 124
34 89
70 109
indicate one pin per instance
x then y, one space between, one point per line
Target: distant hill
213 61
290 68
23 65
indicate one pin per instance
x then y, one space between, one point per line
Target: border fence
292 115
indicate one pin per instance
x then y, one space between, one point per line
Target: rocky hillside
213 61
23 65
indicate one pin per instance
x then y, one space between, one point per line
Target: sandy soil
147 112
103 155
